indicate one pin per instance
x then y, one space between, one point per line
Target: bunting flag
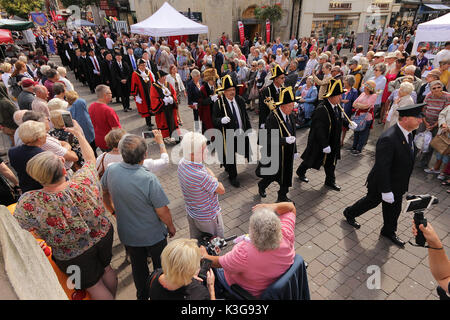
39 18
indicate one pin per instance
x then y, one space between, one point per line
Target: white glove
138 99
388 197
327 149
296 156
225 120
195 104
166 100
290 140
262 126
170 100
352 125
214 98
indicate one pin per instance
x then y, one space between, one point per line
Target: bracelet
162 145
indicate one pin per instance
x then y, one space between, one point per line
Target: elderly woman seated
69 215
177 280
256 263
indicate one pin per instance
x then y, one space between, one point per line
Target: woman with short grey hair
259 259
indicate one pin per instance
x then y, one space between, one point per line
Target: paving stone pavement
338 255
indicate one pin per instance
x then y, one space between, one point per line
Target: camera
148 134
212 244
418 204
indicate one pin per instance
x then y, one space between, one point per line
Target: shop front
334 24
406 14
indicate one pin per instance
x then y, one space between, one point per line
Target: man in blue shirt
277 45
140 204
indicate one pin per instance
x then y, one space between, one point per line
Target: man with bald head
39 103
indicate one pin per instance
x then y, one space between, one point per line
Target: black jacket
285 151
326 128
394 163
120 74
221 108
127 59
264 111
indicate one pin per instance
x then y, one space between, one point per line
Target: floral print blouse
70 221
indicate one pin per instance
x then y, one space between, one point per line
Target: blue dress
51 45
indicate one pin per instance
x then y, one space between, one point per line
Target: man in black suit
91 45
388 180
121 80
229 113
282 122
218 60
83 65
130 59
324 139
69 52
273 91
106 67
94 71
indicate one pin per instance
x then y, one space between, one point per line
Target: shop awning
437 6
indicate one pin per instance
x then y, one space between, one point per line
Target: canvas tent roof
15 25
167 21
437 30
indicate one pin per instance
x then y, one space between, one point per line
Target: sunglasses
436 88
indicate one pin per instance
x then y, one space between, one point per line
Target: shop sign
336 5
380 5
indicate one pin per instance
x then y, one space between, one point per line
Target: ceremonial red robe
141 88
162 112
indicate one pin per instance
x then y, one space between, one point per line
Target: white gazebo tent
437 30
167 22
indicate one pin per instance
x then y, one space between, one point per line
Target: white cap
380 54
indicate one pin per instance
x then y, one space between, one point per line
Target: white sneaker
441 176
428 170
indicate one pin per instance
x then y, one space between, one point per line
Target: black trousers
329 171
266 181
391 211
139 265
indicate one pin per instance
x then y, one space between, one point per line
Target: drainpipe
292 18
300 2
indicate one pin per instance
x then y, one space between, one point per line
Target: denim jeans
360 137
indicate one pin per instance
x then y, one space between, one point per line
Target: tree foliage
21 8
272 13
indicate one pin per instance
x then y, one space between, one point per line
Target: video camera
213 246
418 204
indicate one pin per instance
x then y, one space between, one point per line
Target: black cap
412 110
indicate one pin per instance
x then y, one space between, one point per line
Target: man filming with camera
260 259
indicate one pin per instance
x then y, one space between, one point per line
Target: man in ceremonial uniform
95 75
229 113
164 106
273 91
209 96
388 180
141 82
324 139
281 122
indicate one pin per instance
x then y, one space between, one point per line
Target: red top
104 119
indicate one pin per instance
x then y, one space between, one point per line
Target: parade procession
296 150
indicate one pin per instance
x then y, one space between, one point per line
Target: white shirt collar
404 131
284 115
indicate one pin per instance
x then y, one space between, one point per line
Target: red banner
267 30
241 32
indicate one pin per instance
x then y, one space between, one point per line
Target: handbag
441 143
9 195
360 121
254 93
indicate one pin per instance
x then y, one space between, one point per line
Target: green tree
272 13
21 8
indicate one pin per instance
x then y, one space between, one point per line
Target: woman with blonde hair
178 280
403 99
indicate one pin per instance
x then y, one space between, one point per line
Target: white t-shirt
150 164
390 31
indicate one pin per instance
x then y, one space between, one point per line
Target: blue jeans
221 284
360 137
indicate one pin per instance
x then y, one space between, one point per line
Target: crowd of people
67 188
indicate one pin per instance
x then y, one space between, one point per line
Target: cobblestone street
338 255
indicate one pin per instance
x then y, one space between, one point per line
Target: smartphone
148 134
422 202
205 265
67 118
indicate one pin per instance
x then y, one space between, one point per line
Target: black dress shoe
303 178
396 240
261 192
129 109
284 199
333 186
125 110
234 182
351 221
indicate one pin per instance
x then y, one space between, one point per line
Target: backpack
14 87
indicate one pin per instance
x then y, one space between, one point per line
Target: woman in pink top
364 104
256 263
